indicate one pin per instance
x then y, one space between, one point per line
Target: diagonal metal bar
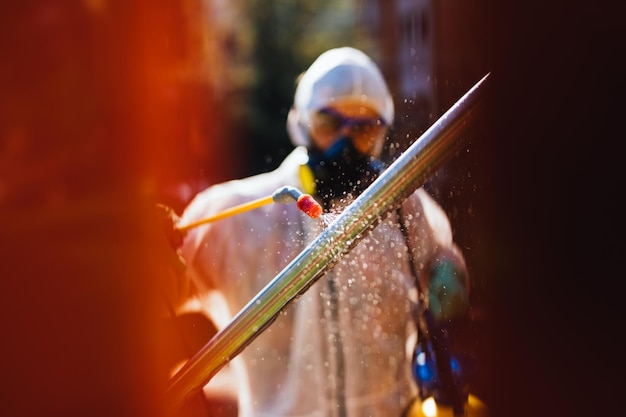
405 175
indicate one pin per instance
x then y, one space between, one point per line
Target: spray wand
283 195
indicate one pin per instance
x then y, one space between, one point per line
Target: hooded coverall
344 344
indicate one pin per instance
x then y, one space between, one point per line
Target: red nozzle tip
307 204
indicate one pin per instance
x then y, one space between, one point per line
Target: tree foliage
284 38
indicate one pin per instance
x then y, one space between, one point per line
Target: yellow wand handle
229 212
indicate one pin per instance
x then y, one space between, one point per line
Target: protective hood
338 75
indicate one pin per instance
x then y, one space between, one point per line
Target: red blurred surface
103 107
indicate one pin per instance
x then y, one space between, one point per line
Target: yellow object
473 407
230 212
307 179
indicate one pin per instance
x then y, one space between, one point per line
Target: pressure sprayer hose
405 175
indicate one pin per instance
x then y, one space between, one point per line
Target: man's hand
169 222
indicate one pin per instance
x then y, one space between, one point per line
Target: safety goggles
329 120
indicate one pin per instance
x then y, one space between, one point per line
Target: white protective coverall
344 347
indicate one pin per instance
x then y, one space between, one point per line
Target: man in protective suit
344 347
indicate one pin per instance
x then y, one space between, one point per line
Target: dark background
557 225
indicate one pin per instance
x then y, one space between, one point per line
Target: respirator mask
342 170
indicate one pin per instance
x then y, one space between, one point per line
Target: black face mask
342 170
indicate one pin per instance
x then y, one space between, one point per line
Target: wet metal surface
409 172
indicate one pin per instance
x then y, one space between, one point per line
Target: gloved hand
448 295
169 220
